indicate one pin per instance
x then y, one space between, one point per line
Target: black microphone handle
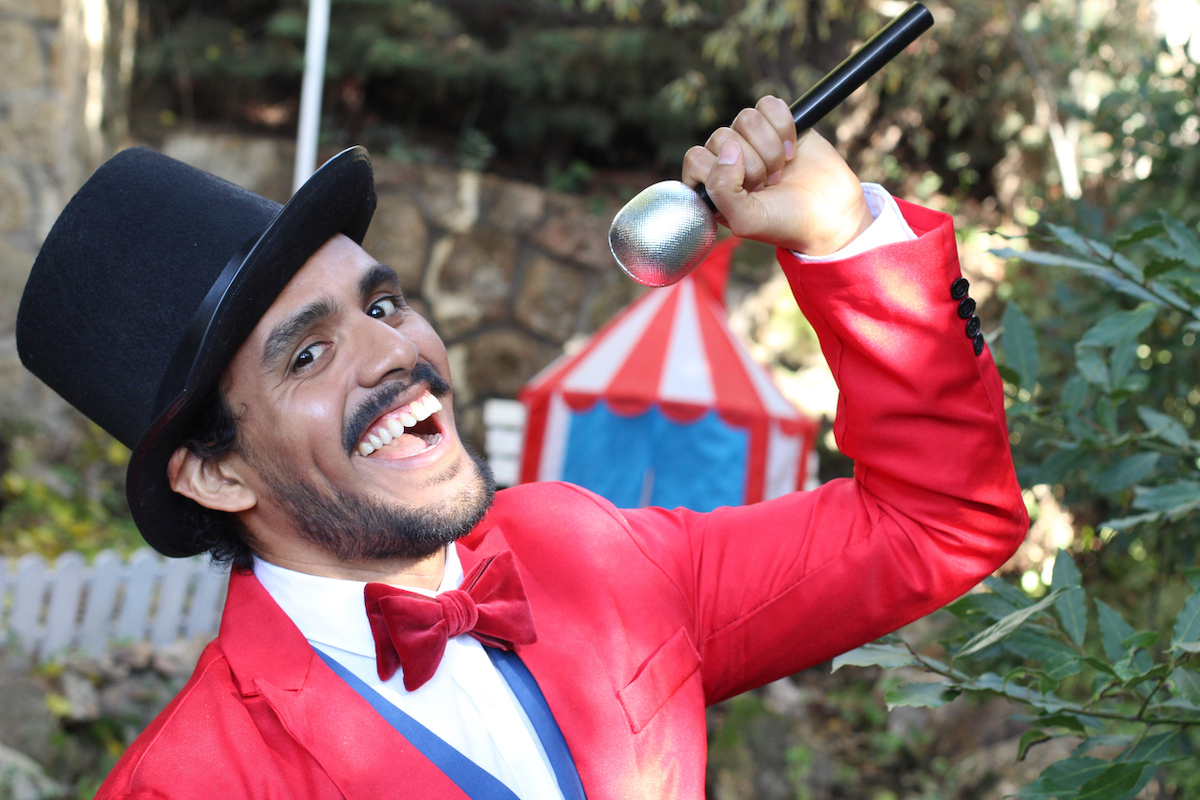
852 73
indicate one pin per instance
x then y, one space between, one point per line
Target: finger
697 163
754 127
726 186
779 115
755 169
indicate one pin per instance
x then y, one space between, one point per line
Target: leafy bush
72 502
1109 423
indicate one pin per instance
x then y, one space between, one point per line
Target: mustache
382 399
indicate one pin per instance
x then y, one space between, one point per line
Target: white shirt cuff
889 227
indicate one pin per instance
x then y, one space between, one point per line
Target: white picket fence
505 422
48 609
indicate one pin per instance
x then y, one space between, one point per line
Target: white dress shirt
466 702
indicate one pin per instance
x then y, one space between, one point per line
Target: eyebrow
284 337
376 276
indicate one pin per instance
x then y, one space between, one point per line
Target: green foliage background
1070 128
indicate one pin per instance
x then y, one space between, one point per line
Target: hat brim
338 198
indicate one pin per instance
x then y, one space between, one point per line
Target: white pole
315 41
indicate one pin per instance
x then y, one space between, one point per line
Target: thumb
724 185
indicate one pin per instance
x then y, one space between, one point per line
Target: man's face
346 431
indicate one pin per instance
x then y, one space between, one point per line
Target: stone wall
507 272
65 67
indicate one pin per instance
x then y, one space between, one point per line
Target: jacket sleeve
933 507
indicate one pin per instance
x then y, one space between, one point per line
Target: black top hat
150 280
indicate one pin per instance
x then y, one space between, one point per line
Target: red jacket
645 617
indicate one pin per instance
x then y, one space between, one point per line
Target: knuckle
746 117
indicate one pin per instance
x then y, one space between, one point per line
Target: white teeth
420 409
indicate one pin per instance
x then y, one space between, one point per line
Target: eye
309 355
385 306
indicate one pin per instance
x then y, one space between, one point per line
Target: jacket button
973 327
958 289
966 308
978 343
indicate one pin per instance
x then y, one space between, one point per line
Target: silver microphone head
662 234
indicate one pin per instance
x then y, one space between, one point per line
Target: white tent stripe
783 462
554 443
777 406
596 370
686 374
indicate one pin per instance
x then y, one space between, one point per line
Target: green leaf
875 655
1125 523
1120 327
1139 235
988 604
1165 427
1114 630
1037 644
1187 246
1159 748
1187 684
923 695
1161 266
1091 366
1008 592
1103 740
995 633
1068 721
1126 472
1063 667
1074 392
1066 574
1072 613
1123 357
1020 345
991 682
1009 374
1104 273
1062 777
1115 782
1187 625
1060 463
1028 739
1173 499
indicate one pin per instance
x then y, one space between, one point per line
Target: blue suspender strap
521 681
476 782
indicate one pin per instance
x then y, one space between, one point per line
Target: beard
354 527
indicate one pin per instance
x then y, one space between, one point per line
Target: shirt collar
331 611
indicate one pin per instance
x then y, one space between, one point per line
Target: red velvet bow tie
411 629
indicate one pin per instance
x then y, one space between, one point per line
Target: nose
381 350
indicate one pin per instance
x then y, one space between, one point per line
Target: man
287 409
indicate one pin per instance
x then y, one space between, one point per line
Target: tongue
402 446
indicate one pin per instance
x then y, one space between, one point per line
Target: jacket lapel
572 675
293 694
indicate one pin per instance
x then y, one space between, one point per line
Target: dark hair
213 434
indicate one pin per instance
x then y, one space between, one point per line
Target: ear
213 483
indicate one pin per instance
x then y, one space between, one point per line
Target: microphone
664 232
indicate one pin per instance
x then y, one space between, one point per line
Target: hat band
184 367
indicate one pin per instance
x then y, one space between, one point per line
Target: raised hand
771 186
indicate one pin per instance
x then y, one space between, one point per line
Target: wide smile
404 432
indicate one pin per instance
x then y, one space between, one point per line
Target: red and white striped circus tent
664 406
